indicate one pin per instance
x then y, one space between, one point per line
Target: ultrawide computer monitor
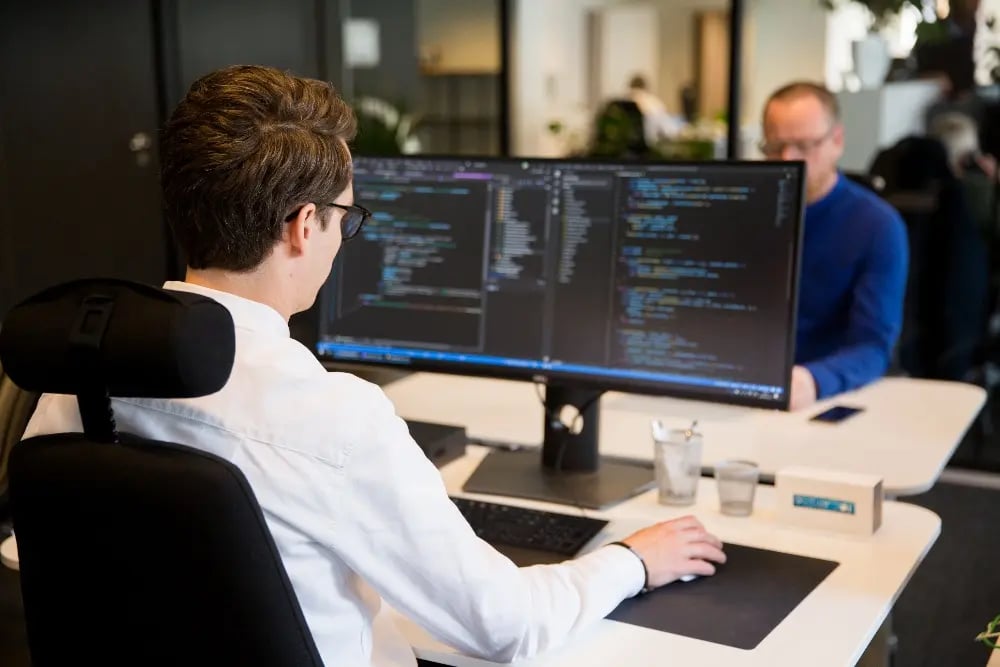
668 278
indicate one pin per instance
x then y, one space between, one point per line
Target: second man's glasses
354 218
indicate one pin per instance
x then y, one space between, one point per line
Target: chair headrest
144 341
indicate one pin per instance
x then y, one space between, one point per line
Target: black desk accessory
442 443
746 599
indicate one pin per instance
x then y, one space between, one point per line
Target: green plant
686 149
620 134
931 32
383 129
990 635
881 11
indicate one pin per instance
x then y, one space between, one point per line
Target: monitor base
520 474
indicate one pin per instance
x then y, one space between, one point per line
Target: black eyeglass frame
351 222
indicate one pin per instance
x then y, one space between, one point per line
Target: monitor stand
568 470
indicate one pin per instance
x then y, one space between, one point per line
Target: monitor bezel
588 381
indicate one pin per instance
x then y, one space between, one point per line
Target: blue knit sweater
854 266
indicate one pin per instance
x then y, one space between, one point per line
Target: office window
573 63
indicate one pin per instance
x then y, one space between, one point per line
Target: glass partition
644 80
425 76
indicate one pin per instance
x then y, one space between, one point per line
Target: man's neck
255 285
824 189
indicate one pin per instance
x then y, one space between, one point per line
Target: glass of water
737 483
676 464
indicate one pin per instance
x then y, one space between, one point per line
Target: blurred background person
658 123
976 171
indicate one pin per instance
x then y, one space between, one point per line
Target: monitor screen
670 278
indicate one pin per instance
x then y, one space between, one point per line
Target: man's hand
803 388
672 549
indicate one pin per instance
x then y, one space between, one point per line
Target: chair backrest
134 551
872 183
620 131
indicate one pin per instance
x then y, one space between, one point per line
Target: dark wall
7 275
396 78
210 35
303 36
78 119
84 88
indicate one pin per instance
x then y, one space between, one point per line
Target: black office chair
133 551
619 132
873 183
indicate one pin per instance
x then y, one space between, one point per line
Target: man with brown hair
854 252
257 182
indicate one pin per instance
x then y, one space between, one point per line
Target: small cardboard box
829 500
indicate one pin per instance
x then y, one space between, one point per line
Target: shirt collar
247 314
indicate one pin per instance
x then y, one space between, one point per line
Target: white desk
907 433
830 628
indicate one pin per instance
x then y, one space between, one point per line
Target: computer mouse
689 577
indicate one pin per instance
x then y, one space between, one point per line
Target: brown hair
245 148
805 89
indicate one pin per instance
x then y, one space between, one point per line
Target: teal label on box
828 504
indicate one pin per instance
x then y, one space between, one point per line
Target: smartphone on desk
836 414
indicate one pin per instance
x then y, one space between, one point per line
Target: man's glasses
354 218
802 146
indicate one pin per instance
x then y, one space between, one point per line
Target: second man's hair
797 89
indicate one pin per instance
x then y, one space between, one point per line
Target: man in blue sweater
854 253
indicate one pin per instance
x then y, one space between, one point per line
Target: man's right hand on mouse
672 549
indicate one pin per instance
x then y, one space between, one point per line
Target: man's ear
300 228
838 135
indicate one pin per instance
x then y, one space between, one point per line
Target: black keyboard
529 536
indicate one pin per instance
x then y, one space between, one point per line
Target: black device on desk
442 443
836 414
673 278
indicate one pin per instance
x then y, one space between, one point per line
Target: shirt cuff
825 380
620 559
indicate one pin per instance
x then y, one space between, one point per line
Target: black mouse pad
739 606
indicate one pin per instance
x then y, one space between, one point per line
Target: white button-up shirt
358 512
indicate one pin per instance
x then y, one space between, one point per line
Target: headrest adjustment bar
85 341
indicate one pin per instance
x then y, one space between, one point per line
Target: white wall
677 43
549 79
625 41
784 40
458 35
